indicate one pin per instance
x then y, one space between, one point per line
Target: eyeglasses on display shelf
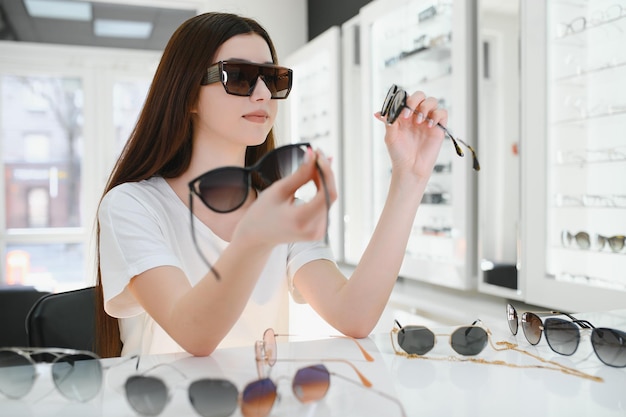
226 189
583 241
585 152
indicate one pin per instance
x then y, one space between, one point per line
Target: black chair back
63 320
15 303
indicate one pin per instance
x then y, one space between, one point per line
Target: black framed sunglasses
563 336
240 78
226 189
395 102
419 340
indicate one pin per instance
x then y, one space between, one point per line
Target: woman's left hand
414 140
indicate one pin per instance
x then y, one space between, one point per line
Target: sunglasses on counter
563 336
226 189
310 384
419 340
395 102
76 374
240 78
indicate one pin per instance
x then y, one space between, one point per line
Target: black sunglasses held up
395 102
240 78
563 336
226 189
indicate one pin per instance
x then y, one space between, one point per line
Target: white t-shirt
144 225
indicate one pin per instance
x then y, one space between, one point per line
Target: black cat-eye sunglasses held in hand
563 336
226 189
240 78
395 102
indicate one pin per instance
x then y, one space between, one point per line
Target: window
64 117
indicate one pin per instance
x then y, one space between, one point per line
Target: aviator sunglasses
226 189
240 78
563 336
395 102
76 374
310 384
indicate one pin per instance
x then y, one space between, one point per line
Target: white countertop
424 387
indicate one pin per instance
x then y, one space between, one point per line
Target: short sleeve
301 253
131 241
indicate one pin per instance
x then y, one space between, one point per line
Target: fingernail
431 122
406 113
420 117
308 156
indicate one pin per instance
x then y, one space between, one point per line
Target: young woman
212 104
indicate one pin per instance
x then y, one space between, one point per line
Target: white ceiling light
122 29
58 9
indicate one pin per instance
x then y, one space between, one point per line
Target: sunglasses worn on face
419 340
563 336
240 78
76 374
226 189
395 102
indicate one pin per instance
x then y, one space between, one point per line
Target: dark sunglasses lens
511 317
224 189
582 240
17 374
311 383
213 397
387 102
417 340
280 163
610 346
258 398
396 106
531 325
147 395
616 243
78 377
240 79
469 341
278 80
563 336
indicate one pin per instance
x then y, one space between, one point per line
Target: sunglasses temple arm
195 241
364 352
457 148
327 197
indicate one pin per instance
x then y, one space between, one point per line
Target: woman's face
224 117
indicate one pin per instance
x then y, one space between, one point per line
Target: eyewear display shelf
424 45
574 161
312 113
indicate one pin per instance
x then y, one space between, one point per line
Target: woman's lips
256 117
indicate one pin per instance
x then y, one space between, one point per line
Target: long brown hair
161 142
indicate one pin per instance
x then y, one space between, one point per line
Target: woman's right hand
276 217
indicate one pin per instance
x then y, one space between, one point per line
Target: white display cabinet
312 113
574 154
428 46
